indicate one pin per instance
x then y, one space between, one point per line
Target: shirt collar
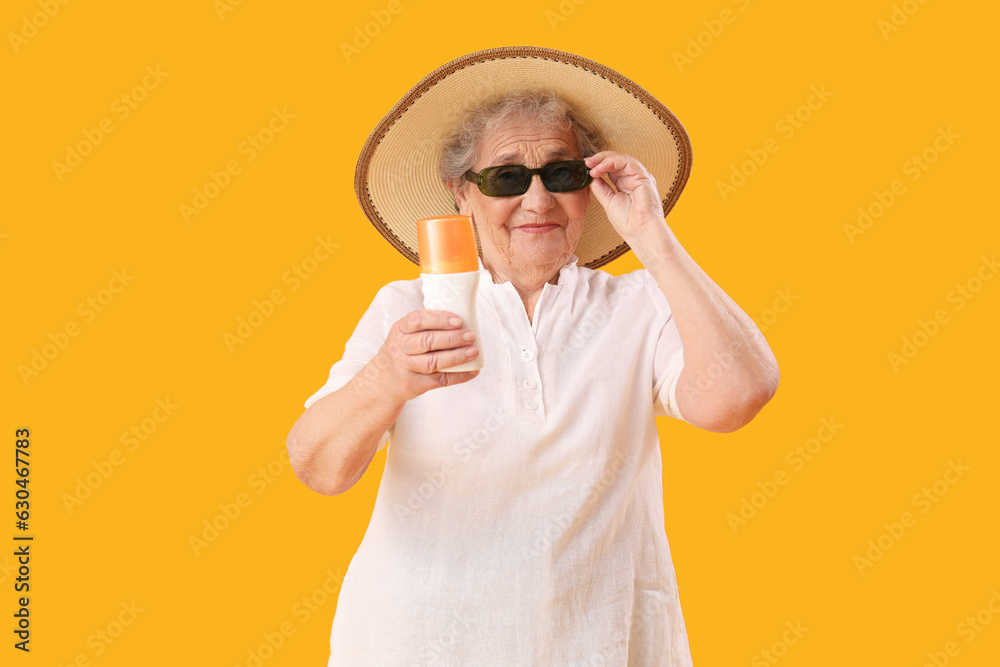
569 267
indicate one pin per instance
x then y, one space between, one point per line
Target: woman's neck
528 282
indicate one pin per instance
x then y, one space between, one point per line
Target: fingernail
469 335
455 321
471 352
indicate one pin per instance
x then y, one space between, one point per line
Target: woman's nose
537 199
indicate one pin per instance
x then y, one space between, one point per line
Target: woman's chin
542 252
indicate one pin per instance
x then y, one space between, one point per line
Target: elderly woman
520 518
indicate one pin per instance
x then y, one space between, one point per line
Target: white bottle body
456 293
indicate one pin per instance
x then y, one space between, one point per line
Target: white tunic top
519 520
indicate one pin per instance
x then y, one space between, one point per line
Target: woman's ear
462 204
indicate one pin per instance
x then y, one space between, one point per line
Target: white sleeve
668 359
360 348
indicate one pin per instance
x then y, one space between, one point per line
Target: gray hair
543 108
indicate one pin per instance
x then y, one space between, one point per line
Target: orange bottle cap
447 244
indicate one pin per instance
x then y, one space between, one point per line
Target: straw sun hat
397 180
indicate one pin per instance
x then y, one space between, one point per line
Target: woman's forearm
729 370
332 443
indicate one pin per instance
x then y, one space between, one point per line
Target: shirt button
527 355
530 384
531 405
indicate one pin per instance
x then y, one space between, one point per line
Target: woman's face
530 235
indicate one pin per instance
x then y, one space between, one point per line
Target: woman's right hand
418 345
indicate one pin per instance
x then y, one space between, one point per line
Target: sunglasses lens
504 181
566 176
512 180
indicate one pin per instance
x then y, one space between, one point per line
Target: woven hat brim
397 181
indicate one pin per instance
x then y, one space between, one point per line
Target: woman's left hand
635 209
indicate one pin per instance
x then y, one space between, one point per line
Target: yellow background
162 336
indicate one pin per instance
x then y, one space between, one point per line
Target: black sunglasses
510 180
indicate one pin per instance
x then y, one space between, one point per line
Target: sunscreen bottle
449 273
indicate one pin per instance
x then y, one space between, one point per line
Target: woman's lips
537 229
